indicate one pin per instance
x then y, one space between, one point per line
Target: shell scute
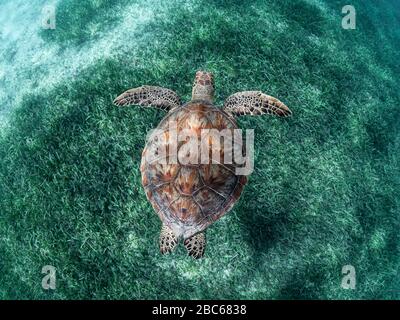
188 180
165 196
160 173
189 197
210 201
219 177
186 210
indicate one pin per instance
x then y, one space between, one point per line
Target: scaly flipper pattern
255 103
168 240
196 245
149 96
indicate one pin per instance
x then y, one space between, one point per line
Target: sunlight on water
28 64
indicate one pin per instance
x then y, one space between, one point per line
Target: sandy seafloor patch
28 64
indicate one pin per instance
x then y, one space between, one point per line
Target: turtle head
203 86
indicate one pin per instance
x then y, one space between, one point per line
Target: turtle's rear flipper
168 240
196 245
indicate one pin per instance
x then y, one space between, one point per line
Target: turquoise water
324 192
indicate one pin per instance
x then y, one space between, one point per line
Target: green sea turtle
189 197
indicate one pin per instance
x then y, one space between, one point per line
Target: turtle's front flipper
195 245
255 103
150 96
168 240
